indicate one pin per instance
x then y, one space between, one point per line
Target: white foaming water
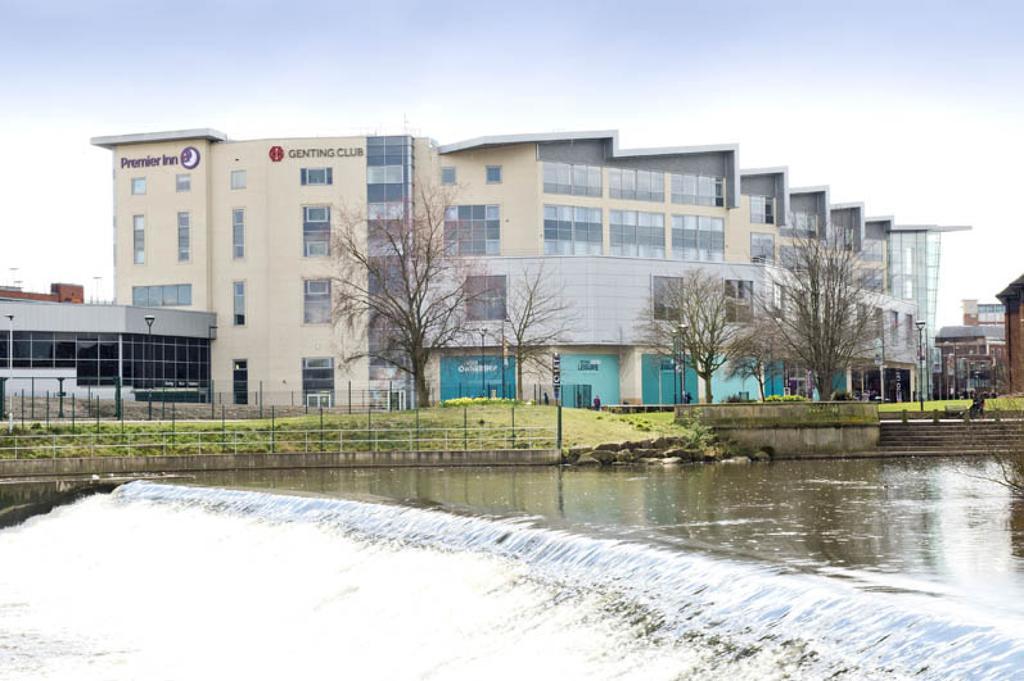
167 582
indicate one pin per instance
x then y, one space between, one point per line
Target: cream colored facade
274 338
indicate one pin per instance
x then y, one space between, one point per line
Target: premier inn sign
188 159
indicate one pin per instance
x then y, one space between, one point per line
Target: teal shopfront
660 381
467 376
585 377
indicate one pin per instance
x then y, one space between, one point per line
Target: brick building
1012 298
59 293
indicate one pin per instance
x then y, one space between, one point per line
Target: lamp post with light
682 361
149 343
920 359
483 378
10 373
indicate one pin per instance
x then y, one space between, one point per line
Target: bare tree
693 312
398 284
538 318
823 316
755 353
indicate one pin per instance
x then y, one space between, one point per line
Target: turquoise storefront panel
660 382
462 377
585 377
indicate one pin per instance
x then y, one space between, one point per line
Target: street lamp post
149 343
10 372
920 359
682 361
483 379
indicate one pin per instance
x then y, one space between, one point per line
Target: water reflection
921 525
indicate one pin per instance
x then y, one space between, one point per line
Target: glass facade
914 275
486 297
572 230
635 233
698 238
698 190
168 295
472 230
762 248
579 180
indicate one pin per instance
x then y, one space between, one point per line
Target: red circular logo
276 153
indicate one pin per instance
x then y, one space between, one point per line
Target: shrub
841 396
785 398
736 399
478 402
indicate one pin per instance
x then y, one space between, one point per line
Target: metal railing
274 440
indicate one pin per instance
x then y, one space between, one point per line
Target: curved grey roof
111 141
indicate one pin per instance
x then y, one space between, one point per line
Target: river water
791 570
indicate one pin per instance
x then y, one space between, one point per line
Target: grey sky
913 108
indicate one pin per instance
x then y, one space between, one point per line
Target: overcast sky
914 108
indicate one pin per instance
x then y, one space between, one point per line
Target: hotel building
241 229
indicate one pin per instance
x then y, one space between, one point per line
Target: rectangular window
138 185
698 237
238 233
448 175
762 248
316 301
486 298
636 233
700 190
392 174
493 174
240 380
139 239
238 291
871 250
741 300
580 180
572 230
802 224
183 183
316 176
762 210
168 295
318 377
472 230
664 296
238 179
316 231
184 237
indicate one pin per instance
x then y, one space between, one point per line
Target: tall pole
483 379
920 361
149 343
10 372
682 362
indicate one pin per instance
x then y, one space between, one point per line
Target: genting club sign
277 152
187 159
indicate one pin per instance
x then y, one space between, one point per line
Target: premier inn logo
188 159
277 153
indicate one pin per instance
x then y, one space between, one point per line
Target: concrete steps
951 437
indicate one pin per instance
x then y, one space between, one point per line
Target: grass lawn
998 404
488 426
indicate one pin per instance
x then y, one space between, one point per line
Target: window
741 300
698 237
318 376
580 180
238 179
316 301
169 295
393 174
240 380
871 250
572 230
636 233
485 298
762 210
238 233
448 175
316 231
316 176
138 185
700 190
184 237
139 239
871 279
762 248
238 291
803 224
472 230
665 298
183 183
493 174
642 185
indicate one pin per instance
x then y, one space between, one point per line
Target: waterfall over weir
204 583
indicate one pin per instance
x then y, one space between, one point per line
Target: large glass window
316 231
572 230
138 185
317 375
392 174
700 190
802 224
642 185
238 233
473 230
762 210
486 298
316 176
698 237
565 178
165 295
240 380
741 300
139 239
316 301
238 179
663 296
762 248
871 250
184 237
637 233
238 303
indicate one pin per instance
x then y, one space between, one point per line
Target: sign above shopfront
278 153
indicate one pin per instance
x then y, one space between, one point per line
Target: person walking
597 403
